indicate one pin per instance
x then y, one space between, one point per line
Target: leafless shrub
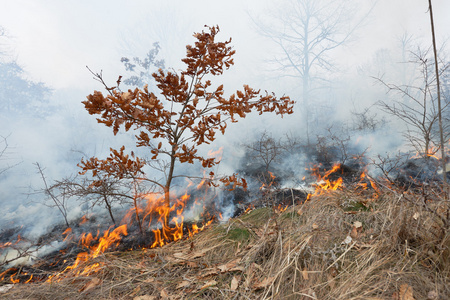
19 253
336 146
417 106
57 200
3 155
389 165
105 192
265 151
365 120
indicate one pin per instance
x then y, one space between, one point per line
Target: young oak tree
186 115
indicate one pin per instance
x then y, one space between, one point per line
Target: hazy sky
54 39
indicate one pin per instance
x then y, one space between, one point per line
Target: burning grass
339 245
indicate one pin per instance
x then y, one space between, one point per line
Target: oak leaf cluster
186 113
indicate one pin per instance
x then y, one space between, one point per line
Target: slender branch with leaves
186 114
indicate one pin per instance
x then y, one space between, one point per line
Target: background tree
439 103
2 36
262 154
142 69
3 155
59 199
20 95
107 192
186 115
417 105
306 32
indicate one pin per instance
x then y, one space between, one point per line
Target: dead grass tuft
341 245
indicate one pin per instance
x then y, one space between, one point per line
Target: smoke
64 39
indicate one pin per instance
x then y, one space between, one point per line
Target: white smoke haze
54 41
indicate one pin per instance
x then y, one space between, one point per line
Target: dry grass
305 252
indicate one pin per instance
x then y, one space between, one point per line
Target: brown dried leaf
332 273
354 233
356 230
192 255
183 284
406 292
395 296
145 297
186 256
135 291
164 294
305 274
192 264
238 249
237 268
235 282
250 274
90 285
255 265
208 272
264 283
209 284
228 266
357 224
259 232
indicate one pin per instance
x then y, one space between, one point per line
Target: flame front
323 183
103 243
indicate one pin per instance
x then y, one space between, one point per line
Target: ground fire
339 184
158 233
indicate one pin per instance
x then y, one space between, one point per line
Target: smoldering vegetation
348 186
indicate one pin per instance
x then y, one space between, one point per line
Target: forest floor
343 244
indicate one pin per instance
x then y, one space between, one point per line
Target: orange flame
152 213
14 280
323 183
432 151
108 239
280 208
272 180
249 209
84 219
216 154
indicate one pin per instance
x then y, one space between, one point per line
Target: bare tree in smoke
147 39
3 148
19 95
187 115
57 200
417 106
307 31
2 34
262 154
143 68
94 192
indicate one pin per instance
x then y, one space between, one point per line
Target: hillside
343 244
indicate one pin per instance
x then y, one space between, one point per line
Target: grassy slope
316 250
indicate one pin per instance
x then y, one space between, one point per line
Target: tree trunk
108 206
443 159
169 177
